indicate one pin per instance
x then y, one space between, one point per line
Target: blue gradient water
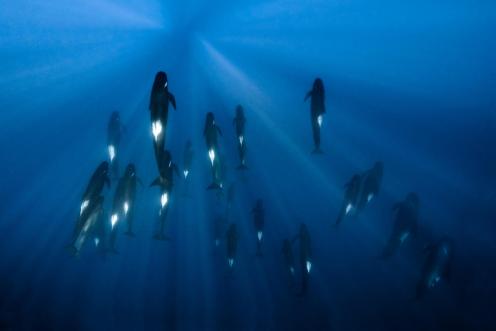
409 83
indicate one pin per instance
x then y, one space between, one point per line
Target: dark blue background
409 83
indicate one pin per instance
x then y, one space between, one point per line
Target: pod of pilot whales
359 192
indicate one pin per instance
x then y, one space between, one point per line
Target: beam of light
227 76
47 48
53 65
239 87
46 63
376 137
164 199
113 220
186 172
111 150
83 14
255 28
211 156
61 163
84 205
319 120
309 266
259 235
126 207
156 129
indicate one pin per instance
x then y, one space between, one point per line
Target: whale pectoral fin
214 186
156 182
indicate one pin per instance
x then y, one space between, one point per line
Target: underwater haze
408 83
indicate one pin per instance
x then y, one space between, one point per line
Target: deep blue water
409 83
